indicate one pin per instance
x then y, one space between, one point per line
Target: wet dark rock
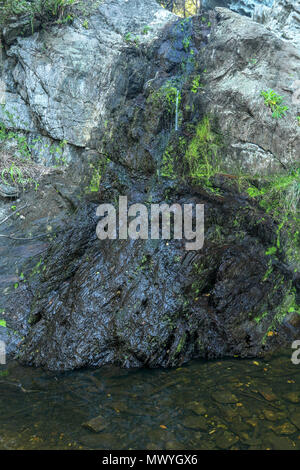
19 26
196 407
82 302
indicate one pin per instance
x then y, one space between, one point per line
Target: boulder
98 97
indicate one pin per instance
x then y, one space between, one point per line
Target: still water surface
237 404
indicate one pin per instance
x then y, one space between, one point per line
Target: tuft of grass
46 11
20 173
19 170
201 159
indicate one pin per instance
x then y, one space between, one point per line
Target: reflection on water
251 404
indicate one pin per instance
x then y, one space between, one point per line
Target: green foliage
45 10
167 167
12 174
95 180
128 37
21 170
146 30
186 43
289 305
57 152
181 344
170 95
7 134
172 156
97 171
3 323
279 196
166 97
196 85
271 251
202 155
261 317
275 103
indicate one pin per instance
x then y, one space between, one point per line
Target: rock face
243 7
283 18
71 78
239 67
99 94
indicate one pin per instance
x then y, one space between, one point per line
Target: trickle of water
176 112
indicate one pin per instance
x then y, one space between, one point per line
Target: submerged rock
284 429
226 440
196 422
225 397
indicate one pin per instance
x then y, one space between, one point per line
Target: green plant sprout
274 101
14 173
196 84
146 30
